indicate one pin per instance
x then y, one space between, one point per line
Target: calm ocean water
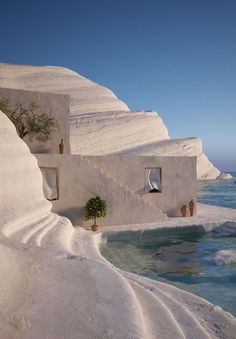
184 258
218 192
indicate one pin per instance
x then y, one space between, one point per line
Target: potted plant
95 208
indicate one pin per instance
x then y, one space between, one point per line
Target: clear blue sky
175 56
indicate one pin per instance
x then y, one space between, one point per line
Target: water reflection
178 259
183 258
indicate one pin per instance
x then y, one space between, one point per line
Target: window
153 180
50 182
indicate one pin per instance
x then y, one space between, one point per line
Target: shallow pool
186 258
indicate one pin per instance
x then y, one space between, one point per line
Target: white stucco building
137 188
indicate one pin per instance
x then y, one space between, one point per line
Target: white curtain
154 179
49 183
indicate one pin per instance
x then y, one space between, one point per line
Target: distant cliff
100 123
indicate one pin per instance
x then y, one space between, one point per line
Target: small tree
29 120
95 208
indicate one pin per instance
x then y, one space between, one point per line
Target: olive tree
29 120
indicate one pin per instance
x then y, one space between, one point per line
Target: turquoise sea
218 192
185 257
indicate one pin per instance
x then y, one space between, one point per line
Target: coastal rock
225 257
22 199
112 132
225 229
25 214
224 176
53 272
86 96
100 123
179 147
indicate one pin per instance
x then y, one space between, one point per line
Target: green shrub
95 208
29 120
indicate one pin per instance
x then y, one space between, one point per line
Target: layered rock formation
86 96
19 176
25 214
102 124
53 283
179 147
111 132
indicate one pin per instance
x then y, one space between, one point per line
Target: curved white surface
100 123
85 95
180 147
111 132
21 197
57 285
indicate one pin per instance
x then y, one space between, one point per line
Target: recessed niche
153 180
50 182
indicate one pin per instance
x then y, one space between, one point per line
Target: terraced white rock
86 96
55 283
24 212
20 176
111 132
102 124
179 147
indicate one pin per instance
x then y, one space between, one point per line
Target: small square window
50 182
153 180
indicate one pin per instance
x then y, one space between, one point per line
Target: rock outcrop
225 257
102 124
111 132
52 285
20 176
25 214
179 147
86 96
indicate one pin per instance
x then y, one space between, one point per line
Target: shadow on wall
186 210
42 150
173 213
74 214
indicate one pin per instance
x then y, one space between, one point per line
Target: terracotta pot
94 228
61 147
183 211
191 207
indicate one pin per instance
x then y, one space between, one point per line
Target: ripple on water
218 192
183 257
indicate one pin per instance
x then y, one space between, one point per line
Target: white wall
56 104
121 181
179 178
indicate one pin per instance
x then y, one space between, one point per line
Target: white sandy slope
100 123
56 285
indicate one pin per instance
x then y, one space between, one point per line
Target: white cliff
55 283
111 132
25 214
19 176
102 124
85 95
179 147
